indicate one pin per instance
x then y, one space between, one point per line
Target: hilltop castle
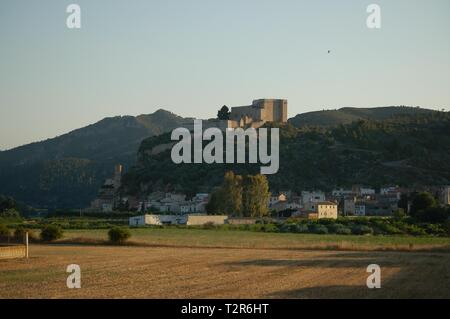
255 115
261 111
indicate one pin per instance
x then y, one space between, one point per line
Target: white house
157 220
187 219
326 210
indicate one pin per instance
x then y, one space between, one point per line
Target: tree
255 196
231 194
421 202
228 198
433 215
214 205
7 202
4 231
51 233
20 231
399 213
10 213
403 202
223 113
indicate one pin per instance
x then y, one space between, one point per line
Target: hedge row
343 227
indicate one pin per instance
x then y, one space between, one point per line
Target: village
172 208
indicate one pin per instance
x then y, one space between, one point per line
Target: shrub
415 230
433 215
339 229
318 229
301 228
326 221
361 230
288 228
269 228
343 231
256 227
399 214
51 233
119 235
435 229
383 227
4 231
19 233
10 213
362 221
333 228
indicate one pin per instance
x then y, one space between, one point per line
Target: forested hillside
407 150
67 171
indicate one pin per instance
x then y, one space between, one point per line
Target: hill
346 115
408 151
66 171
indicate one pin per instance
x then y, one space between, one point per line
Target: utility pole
26 244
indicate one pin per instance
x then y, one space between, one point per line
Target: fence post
26 244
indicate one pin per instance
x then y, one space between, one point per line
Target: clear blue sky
190 57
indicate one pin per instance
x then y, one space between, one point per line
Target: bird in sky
329 51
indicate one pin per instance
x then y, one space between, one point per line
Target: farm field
171 272
177 237
196 263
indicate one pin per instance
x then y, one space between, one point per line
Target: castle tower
272 110
262 110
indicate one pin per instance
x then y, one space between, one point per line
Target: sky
191 57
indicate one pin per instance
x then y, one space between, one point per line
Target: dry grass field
195 272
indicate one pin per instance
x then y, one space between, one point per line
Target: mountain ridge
346 115
66 171
36 172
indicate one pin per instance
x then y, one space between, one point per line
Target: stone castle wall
265 110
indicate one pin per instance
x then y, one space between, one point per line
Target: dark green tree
51 233
214 205
228 198
421 202
403 203
433 215
223 113
7 202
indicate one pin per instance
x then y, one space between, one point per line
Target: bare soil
183 272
